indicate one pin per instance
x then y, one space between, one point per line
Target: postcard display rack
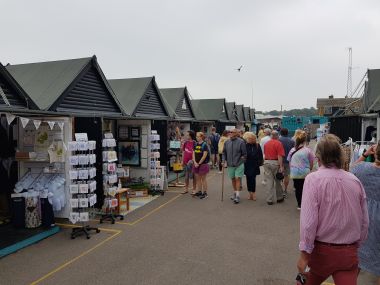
157 172
83 183
110 180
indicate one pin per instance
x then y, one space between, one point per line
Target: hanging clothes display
57 151
358 148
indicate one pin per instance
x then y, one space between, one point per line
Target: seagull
239 69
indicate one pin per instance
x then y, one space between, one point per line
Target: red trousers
340 262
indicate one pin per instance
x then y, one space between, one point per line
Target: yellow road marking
78 257
116 233
150 213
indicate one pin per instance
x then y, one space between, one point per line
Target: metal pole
222 181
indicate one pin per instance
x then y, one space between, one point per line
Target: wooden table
122 201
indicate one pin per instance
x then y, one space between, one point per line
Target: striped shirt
334 209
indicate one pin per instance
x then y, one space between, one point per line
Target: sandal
185 192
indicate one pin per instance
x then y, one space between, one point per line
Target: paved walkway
176 239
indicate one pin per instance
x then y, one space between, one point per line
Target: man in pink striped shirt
334 219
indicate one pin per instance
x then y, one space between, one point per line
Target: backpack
208 152
215 140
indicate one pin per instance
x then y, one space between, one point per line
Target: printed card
74 189
84 217
83 188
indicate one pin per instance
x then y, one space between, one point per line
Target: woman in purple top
334 219
301 160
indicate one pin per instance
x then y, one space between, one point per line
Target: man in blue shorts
234 155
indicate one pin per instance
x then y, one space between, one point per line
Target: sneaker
237 200
198 194
233 197
203 196
285 194
220 172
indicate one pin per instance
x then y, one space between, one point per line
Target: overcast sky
292 51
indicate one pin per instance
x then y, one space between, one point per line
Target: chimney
331 96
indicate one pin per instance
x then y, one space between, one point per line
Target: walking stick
222 182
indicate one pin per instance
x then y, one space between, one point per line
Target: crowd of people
339 210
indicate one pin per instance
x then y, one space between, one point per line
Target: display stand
83 184
177 165
110 180
156 181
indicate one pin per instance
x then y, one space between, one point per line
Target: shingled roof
210 109
247 115
74 85
252 114
240 113
140 97
178 102
12 96
231 111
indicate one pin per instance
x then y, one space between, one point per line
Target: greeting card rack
110 180
156 181
83 184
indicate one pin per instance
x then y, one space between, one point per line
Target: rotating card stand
82 184
157 172
110 180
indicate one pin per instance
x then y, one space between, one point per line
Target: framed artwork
129 153
123 132
135 133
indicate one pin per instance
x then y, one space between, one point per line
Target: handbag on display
177 167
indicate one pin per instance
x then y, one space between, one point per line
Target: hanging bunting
10 118
37 123
51 124
24 121
60 124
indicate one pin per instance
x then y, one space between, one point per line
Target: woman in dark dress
253 163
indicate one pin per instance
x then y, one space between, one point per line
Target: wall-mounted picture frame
129 153
123 132
134 133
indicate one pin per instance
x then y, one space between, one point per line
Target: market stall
32 167
76 96
181 114
247 119
240 117
142 101
209 113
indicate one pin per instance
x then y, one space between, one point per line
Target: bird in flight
239 69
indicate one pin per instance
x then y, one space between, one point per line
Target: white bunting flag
60 124
37 123
24 122
10 118
51 124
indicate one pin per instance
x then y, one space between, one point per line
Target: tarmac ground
175 239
